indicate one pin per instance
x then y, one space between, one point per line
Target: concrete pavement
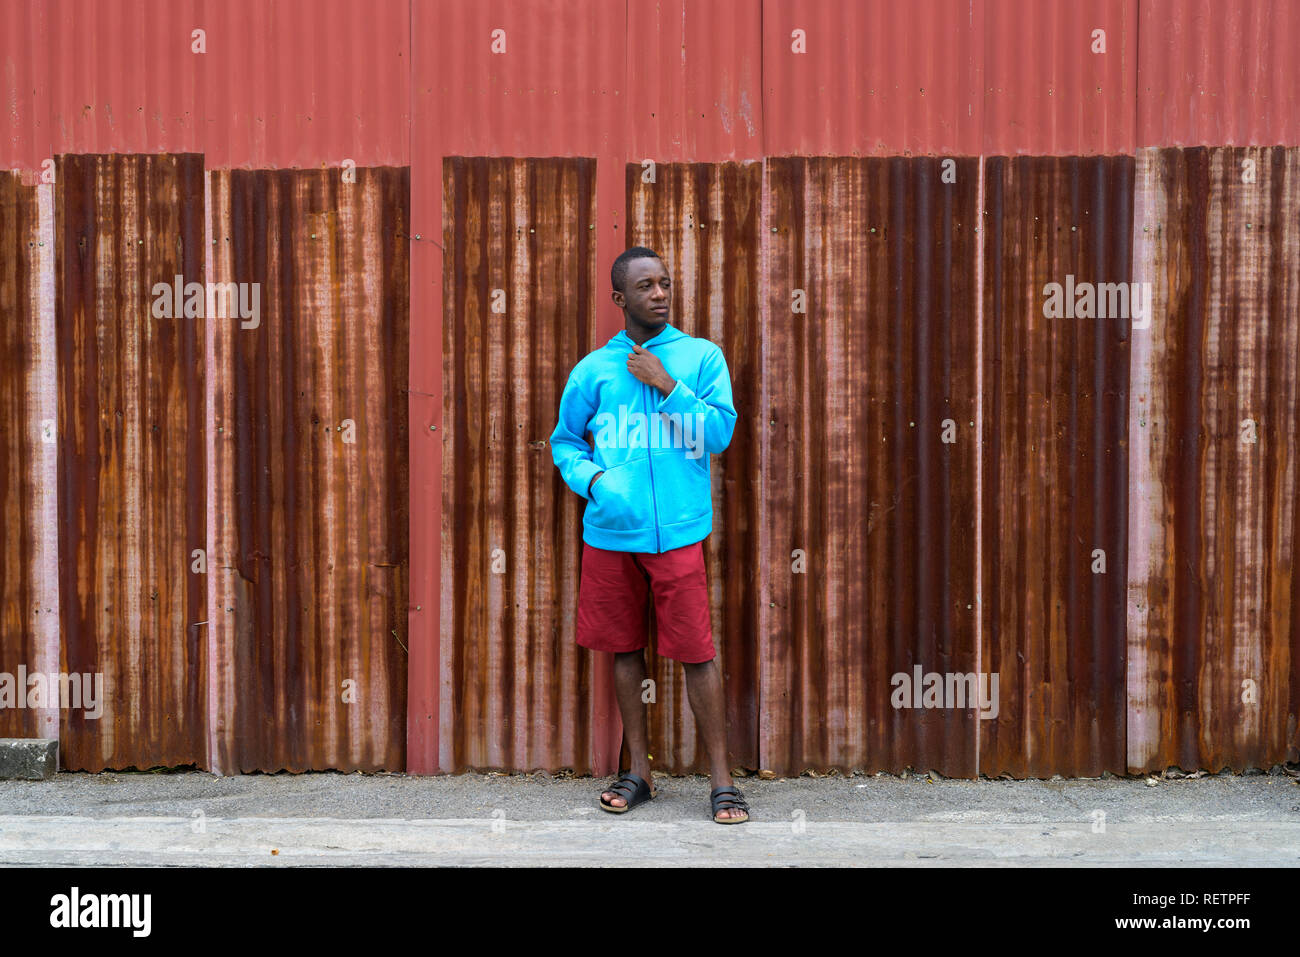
194 818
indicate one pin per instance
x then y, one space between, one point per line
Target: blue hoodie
654 449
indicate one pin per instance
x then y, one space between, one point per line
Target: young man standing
658 403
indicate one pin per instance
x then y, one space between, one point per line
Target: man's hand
643 364
593 481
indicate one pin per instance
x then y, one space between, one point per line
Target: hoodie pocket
684 489
620 498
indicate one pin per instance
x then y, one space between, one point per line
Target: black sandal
723 800
632 789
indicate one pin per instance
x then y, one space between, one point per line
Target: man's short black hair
618 273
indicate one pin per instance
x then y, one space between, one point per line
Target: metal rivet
773 229
313 235
417 235
433 428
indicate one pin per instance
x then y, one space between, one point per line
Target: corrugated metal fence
330 534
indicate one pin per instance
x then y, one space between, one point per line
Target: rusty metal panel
131 458
856 476
29 636
308 503
704 220
1218 73
1055 418
875 77
554 82
1214 644
519 309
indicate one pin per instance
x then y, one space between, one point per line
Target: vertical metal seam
764 458
979 443
209 442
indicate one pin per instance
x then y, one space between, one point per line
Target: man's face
646 292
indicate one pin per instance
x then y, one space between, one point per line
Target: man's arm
569 448
713 402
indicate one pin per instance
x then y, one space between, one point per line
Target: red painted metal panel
309 492
538 78
1214 649
25 138
704 220
877 77
291 83
306 83
857 477
693 90
1048 86
1055 474
121 76
131 459
424 698
1219 73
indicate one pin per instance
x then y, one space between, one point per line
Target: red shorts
613 595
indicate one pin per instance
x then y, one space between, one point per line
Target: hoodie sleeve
569 447
713 402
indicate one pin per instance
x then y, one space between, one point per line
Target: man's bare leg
629 673
704 689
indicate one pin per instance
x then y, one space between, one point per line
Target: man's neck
639 333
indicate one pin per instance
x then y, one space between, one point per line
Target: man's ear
619 299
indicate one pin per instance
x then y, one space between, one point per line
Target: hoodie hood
668 334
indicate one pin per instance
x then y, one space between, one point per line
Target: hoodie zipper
649 460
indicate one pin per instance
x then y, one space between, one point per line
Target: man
658 403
